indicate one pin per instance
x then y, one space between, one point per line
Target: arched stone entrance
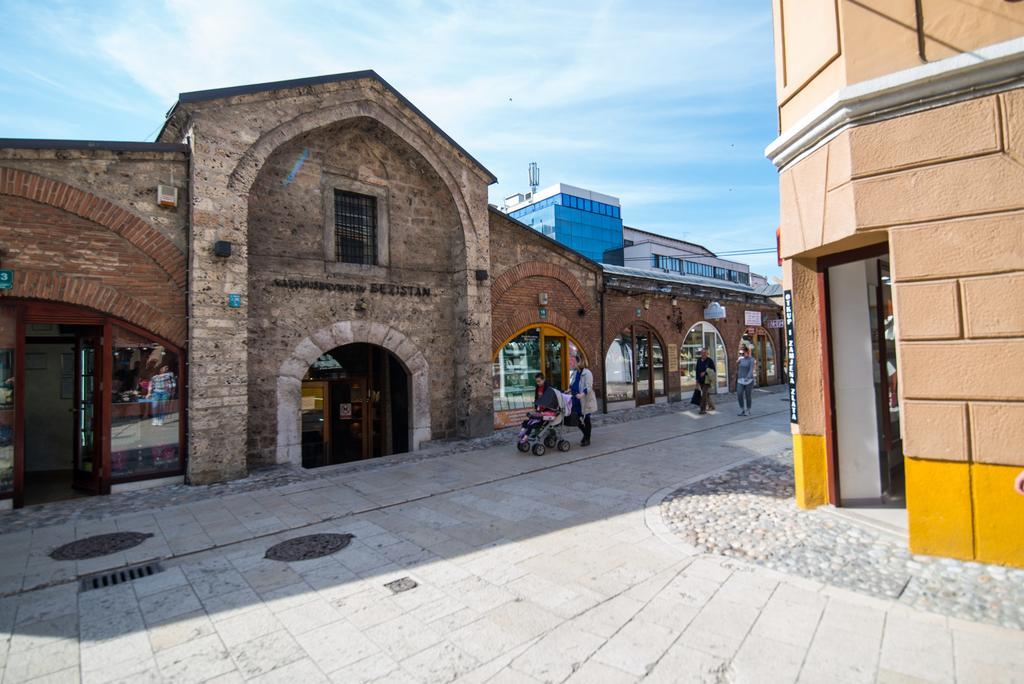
311 348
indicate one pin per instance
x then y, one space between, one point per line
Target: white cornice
991 69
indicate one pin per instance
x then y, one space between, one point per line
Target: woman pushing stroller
540 429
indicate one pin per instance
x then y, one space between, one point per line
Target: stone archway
291 372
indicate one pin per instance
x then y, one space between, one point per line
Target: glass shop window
145 416
8 319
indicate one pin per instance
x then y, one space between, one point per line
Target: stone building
304 272
902 227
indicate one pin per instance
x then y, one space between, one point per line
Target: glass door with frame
644 368
87 465
890 442
555 361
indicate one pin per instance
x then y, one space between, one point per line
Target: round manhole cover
308 547
99 545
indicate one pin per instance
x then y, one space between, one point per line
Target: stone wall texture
437 198
286 233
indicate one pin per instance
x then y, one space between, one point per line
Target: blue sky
667 105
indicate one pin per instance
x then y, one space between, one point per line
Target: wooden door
350 420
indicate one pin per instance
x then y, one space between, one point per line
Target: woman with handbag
584 401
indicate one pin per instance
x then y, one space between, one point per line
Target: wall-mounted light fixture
542 298
675 302
222 248
481 275
647 303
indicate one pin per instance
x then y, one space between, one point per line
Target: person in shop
745 379
703 364
584 401
161 388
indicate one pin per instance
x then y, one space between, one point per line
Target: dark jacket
548 399
703 365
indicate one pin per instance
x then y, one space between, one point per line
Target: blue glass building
585 221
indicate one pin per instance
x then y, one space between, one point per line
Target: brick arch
620 323
500 332
528 269
99 297
139 233
318 343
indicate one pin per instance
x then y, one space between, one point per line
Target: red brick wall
672 323
523 265
111 262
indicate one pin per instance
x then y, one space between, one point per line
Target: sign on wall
235 301
787 304
714 310
775 323
6 279
752 318
673 358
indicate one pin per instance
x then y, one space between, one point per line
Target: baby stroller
540 430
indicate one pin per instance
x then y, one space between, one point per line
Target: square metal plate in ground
400 585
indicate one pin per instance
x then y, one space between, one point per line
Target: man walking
703 364
745 380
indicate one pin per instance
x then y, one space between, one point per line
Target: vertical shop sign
787 301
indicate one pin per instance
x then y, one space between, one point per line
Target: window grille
355 228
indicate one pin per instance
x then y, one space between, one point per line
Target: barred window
355 228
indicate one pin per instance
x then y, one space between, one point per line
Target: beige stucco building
901 176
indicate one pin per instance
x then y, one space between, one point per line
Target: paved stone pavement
748 513
80 510
554 569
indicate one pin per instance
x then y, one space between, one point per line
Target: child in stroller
540 431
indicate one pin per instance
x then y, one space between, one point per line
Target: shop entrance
355 405
62 406
762 349
87 403
635 366
868 446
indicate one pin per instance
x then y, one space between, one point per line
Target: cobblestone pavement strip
551 570
749 513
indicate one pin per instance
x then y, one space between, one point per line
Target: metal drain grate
400 585
119 576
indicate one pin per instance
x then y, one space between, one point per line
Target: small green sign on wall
235 301
6 279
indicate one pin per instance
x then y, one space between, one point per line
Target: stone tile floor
274 477
555 569
748 513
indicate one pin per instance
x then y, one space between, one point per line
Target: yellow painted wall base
810 470
998 514
939 508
